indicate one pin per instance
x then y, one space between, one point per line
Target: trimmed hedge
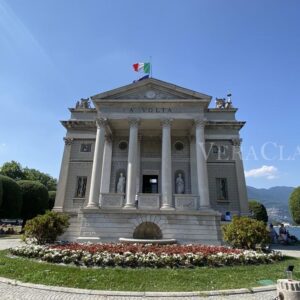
1 193
52 195
46 228
35 199
294 205
246 233
11 198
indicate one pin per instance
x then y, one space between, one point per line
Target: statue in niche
179 184
121 184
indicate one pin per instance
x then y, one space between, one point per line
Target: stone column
138 165
132 164
63 176
106 168
201 164
240 175
97 164
193 166
166 166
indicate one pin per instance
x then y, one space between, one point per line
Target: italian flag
145 67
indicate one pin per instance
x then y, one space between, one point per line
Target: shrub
35 199
246 233
46 228
52 195
11 198
294 205
258 211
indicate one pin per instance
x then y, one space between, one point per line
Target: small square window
222 190
85 147
81 186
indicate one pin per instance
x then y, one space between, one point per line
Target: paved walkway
13 290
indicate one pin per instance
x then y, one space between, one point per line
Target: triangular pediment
151 89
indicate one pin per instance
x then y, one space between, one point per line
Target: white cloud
270 172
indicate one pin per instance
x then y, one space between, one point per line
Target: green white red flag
144 67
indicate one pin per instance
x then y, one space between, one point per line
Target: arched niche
147 230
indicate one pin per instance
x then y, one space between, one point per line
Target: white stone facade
159 139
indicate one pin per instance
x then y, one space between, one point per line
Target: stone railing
186 202
112 200
149 201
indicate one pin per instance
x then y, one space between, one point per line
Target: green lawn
198 279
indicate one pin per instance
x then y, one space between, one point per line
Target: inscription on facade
150 109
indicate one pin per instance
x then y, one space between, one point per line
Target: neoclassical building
151 160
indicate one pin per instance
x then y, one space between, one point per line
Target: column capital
166 122
236 142
134 122
101 122
199 123
68 141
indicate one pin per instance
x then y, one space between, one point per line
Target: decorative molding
68 141
166 122
199 123
236 142
134 122
101 122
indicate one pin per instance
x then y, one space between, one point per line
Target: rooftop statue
83 103
223 103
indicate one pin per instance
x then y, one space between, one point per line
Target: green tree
11 198
13 170
258 211
35 199
52 195
35 175
294 205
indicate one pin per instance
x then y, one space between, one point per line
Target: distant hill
275 199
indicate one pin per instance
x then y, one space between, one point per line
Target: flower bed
138 255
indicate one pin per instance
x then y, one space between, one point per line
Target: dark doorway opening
150 184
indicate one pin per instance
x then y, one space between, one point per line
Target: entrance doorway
150 184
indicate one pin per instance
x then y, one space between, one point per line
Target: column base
167 207
92 206
58 209
130 206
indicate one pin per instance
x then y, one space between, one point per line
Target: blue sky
54 52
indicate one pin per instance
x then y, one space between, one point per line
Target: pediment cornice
151 89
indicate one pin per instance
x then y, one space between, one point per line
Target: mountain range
275 199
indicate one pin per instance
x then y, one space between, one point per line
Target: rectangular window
222 190
81 186
85 147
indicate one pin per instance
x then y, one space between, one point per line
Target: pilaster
240 175
63 176
201 164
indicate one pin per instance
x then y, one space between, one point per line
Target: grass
198 279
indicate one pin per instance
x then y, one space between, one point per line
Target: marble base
111 225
